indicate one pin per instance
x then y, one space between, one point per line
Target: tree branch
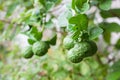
9 22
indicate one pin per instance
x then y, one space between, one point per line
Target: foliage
32 18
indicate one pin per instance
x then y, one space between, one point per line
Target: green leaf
52 41
110 13
80 3
1 27
73 4
63 18
28 4
95 32
49 24
107 36
60 72
62 21
110 27
80 20
31 41
11 8
115 67
94 2
79 23
114 71
85 7
84 68
54 1
49 5
42 2
57 2
8 33
25 17
71 28
80 6
35 34
33 30
114 76
117 45
105 5
38 36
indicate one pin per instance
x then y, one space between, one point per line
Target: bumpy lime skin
40 48
28 53
74 55
85 48
81 50
89 48
68 43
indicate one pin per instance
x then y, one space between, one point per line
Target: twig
114 14
98 59
9 22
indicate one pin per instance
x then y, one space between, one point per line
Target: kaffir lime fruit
85 48
40 48
80 51
68 42
93 48
74 55
28 53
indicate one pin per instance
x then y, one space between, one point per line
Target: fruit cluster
37 46
78 50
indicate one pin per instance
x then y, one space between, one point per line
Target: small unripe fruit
40 48
68 42
28 53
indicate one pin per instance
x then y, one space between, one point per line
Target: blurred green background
16 15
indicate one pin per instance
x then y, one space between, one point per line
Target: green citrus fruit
68 42
89 48
28 53
93 47
74 55
40 48
79 51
